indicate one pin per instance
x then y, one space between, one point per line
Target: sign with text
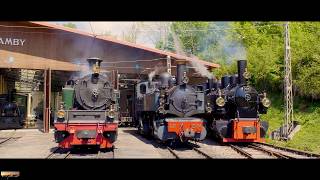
9 41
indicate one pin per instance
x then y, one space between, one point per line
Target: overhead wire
93 40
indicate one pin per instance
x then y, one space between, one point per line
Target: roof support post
169 64
47 100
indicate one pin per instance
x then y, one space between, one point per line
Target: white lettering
22 41
12 41
8 41
16 42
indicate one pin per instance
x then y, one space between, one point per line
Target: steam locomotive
89 113
235 108
170 109
11 116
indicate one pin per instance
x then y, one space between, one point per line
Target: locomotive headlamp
111 113
220 101
96 68
265 101
185 78
246 74
208 108
61 114
161 110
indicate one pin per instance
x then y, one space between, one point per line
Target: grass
306 113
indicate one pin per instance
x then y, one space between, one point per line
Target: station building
37 58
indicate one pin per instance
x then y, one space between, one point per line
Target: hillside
306 113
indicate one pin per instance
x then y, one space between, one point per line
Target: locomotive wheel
172 143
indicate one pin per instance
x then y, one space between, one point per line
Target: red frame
239 136
179 127
72 140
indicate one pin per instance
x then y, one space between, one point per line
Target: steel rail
241 151
173 153
295 151
202 153
271 153
9 138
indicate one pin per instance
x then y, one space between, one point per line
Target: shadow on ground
180 146
148 140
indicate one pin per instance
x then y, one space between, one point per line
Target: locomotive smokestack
94 64
233 80
210 83
181 68
242 66
225 81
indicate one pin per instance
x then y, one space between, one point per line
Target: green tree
190 35
305 52
262 44
168 46
70 25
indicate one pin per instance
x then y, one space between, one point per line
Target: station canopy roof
67 49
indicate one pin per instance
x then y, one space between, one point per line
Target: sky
148 34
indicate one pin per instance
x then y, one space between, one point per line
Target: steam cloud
222 45
200 68
81 62
232 50
157 70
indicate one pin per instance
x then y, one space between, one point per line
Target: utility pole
288 98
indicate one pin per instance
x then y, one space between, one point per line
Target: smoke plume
200 68
222 43
85 71
157 70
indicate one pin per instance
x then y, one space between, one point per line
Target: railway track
105 154
256 150
60 153
10 137
191 151
252 151
289 151
241 151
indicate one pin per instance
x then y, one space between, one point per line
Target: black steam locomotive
89 112
11 116
170 109
235 108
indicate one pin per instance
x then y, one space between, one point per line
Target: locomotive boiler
170 109
89 113
235 108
